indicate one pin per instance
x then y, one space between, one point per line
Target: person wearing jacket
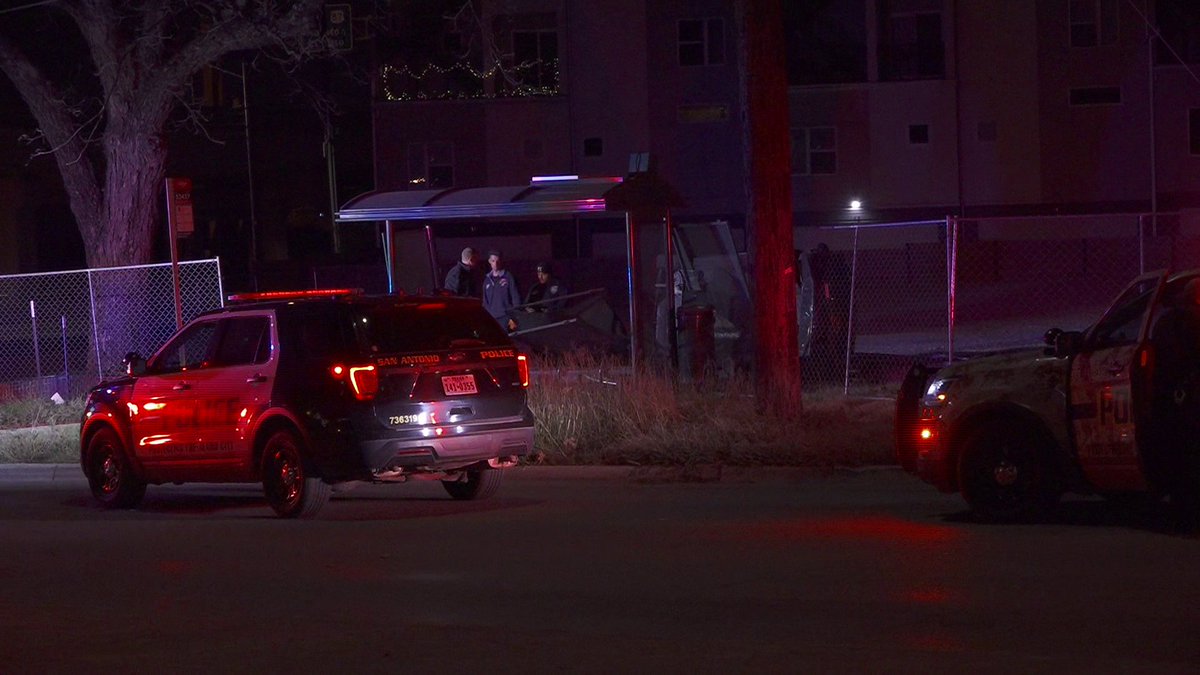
461 279
500 291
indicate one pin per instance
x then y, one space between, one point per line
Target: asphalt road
590 571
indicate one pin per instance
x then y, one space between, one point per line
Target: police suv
1105 411
305 390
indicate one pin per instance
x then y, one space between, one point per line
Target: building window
814 150
701 42
430 165
1093 22
593 147
911 46
1194 130
1096 96
918 134
535 58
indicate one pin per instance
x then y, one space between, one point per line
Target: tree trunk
777 358
134 167
129 214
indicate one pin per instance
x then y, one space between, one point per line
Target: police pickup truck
1109 410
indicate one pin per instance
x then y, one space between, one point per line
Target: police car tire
290 486
479 484
109 475
1008 442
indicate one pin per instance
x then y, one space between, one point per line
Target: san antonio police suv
1113 410
305 390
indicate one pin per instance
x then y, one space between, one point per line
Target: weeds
596 412
20 414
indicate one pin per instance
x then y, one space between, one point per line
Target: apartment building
914 108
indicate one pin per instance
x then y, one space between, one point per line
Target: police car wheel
1004 474
291 489
109 475
475 484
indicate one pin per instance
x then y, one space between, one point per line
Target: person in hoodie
500 291
461 280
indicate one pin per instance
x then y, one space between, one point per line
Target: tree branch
98 23
63 134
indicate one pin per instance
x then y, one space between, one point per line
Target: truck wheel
1005 475
109 475
476 484
290 489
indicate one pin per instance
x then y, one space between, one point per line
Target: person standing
500 292
461 280
547 288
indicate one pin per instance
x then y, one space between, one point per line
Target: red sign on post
179 203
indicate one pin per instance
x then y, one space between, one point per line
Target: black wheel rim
1005 478
108 471
287 475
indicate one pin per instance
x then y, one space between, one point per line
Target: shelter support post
433 268
672 310
389 256
631 272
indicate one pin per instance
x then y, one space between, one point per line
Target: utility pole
769 190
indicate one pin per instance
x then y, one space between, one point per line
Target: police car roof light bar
294 295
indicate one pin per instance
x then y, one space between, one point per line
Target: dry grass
588 414
40 445
596 412
36 413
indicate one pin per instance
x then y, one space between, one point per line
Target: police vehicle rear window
425 326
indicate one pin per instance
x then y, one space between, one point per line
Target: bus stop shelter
643 200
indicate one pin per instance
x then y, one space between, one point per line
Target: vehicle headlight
937 394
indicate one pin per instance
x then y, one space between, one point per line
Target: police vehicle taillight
523 369
364 380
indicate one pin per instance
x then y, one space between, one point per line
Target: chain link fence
64 331
886 295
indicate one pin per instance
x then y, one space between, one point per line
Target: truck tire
1005 473
290 487
479 483
109 475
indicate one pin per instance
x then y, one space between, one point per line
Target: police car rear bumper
449 449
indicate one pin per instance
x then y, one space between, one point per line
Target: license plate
456 385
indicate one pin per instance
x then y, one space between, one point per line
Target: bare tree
777 363
107 136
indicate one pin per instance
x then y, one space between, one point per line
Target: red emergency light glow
294 295
523 369
926 434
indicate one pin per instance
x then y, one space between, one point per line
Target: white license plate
456 385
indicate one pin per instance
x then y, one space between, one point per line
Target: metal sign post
180 222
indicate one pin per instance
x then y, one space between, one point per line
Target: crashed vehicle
1110 410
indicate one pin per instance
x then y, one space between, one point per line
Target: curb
49 473
39 473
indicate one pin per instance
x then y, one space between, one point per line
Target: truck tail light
364 380
523 369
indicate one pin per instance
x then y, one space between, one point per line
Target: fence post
220 282
850 313
951 282
62 319
37 352
95 328
1141 235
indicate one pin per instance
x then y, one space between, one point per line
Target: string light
393 80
